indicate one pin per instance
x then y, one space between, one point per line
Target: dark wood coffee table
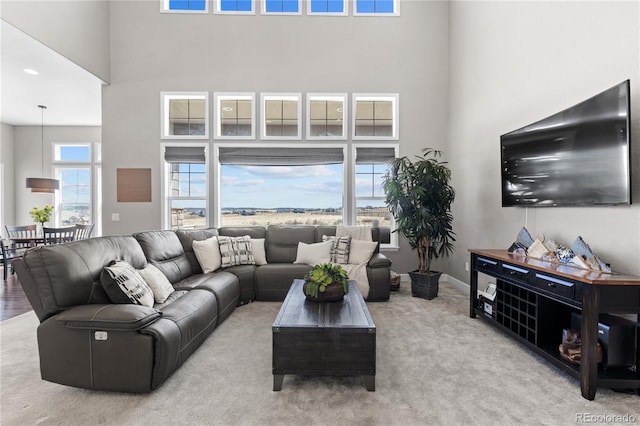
324 339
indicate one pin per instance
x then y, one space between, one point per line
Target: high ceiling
71 94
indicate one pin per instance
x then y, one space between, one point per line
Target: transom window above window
376 7
327 7
375 116
185 115
184 6
327 116
234 6
234 115
281 6
72 153
281 116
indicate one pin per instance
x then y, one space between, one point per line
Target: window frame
265 12
165 97
393 97
217 116
264 97
345 114
218 11
165 181
94 166
164 8
345 12
396 10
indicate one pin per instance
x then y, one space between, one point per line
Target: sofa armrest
108 317
379 260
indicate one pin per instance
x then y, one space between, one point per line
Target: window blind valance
184 154
280 156
374 155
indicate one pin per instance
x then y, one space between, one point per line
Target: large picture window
281 185
186 187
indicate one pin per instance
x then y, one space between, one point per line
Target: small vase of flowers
41 215
326 282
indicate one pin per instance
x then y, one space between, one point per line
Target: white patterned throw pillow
123 284
236 251
339 248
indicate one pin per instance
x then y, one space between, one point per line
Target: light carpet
435 365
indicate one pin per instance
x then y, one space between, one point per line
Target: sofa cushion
235 251
274 280
315 253
208 254
164 250
159 284
239 231
124 284
282 241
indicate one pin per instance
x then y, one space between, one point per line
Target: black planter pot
424 285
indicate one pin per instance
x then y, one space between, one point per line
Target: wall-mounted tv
577 157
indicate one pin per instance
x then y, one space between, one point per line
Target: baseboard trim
456 283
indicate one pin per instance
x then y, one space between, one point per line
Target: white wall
152 52
7 184
513 63
28 161
78 30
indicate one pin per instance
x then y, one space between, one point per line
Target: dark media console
535 300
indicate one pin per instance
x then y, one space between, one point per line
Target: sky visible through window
318 186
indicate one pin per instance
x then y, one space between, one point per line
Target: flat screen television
577 157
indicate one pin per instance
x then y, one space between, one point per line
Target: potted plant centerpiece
42 215
419 197
326 282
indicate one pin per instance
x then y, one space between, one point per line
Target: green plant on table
41 215
324 274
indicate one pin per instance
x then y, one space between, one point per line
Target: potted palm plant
419 197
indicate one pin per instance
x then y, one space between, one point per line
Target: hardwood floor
13 301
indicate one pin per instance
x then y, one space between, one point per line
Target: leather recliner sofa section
86 341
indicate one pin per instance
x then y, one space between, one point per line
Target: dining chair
58 235
83 231
9 253
24 232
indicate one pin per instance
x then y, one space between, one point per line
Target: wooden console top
564 270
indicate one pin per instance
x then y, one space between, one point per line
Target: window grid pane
73 153
375 6
236 5
75 195
374 118
327 6
235 117
187 117
187 180
188 214
187 4
282 6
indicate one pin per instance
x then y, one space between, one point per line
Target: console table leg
370 383
589 335
277 381
473 283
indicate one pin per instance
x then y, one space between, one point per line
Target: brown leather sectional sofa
86 341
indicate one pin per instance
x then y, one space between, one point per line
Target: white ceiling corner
71 94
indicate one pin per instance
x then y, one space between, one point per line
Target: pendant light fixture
42 184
